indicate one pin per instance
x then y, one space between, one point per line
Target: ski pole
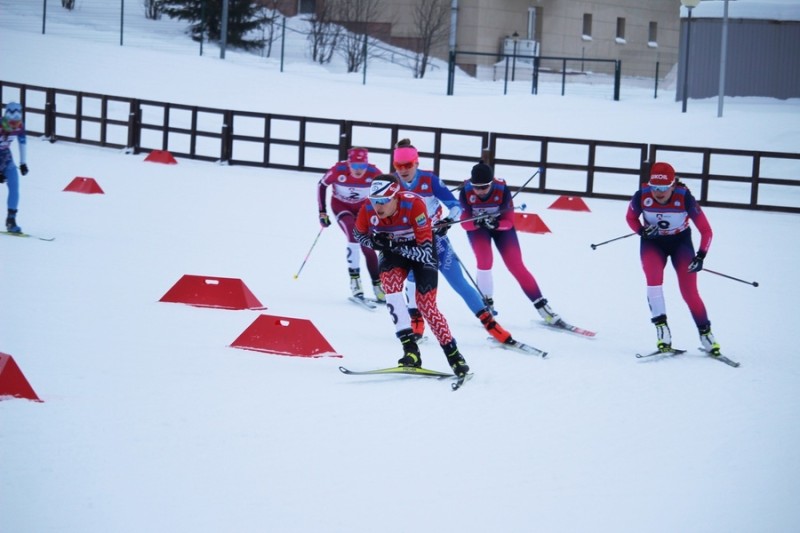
309 253
484 215
527 182
594 246
753 283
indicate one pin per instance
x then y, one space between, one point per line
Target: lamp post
688 4
514 36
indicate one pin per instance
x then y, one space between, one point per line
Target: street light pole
688 4
515 36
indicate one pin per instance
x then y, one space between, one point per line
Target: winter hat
406 154
357 155
384 186
482 174
661 175
13 112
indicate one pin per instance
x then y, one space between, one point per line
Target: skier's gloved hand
23 168
381 241
441 228
2 177
649 232
324 219
697 263
489 222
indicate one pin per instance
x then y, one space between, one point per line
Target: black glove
649 232
489 222
381 241
2 178
324 220
23 168
697 263
442 227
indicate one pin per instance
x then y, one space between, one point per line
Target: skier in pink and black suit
350 181
666 205
485 194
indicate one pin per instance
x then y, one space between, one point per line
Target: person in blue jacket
430 187
11 126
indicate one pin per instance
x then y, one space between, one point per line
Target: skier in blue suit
430 187
11 126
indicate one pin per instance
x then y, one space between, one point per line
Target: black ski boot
11 222
411 356
455 359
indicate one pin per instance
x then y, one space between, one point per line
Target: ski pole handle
753 283
594 246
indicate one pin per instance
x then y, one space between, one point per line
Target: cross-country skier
12 126
350 181
426 184
483 194
396 223
666 205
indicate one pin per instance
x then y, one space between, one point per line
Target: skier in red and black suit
397 225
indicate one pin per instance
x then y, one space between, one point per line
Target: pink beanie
406 154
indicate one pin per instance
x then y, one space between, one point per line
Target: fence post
345 138
50 115
134 127
617 78
226 150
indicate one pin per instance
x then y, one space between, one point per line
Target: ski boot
455 359
546 312
355 283
380 295
662 331
11 222
708 341
417 322
411 356
489 303
495 330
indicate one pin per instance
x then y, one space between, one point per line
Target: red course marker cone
284 336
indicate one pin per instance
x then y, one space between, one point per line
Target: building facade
640 33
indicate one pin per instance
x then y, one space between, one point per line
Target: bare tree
356 16
269 14
324 34
431 20
151 9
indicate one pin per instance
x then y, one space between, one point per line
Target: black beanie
482 174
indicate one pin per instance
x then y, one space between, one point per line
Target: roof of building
747 9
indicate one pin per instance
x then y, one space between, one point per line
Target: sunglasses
381 201
404 166
359 166
661 188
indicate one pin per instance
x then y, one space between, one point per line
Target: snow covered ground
150 421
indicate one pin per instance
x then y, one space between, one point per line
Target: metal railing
748 179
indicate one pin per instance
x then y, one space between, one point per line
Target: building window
306 6
652 35
587 27
620 30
